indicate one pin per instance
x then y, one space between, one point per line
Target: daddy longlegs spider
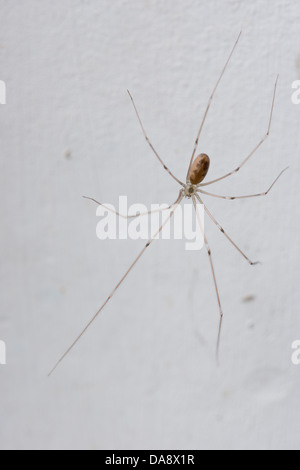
191 189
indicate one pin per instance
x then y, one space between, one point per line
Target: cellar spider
191 189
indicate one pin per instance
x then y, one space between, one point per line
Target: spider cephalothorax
189 190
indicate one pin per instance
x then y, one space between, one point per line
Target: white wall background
144 376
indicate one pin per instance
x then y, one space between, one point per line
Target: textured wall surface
145 375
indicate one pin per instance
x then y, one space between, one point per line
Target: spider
192 188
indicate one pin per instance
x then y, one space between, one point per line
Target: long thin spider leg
149 142
231 198
207 108
119 283
255 148
223 231
131 216
213 273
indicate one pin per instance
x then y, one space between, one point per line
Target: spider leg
119 283
208 106
255 148
149 142
131 216
231 198
213 273
223 231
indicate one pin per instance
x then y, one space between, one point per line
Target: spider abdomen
199 168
